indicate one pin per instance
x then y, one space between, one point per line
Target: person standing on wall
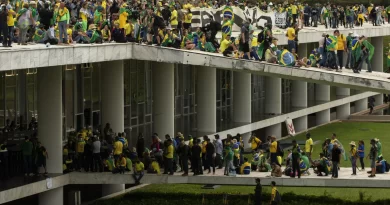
341 48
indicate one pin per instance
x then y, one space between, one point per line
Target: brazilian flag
370 48
356 49
331 43
228 13
286 58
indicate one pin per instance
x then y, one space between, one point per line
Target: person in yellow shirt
80 152
308 145
118 149
334 139
123 16
274 192
273 150
255 143
341 47
168 158
129 31
187 19
291 37
294 12
7 41
138 171
106 34
84 14
354 156
120 165
227 47
174 17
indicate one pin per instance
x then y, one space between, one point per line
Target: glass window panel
69 99
95 119
141 85
2 106
87 92
141 113
126 81
10 78
79 121
10 103
96 88
134 135
148 118
31 100
79 86
134 121
127 116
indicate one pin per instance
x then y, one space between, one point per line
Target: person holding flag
331 43
362 52
228 21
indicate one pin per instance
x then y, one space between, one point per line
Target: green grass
347 132
351 194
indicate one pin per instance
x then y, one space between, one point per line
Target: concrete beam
60 55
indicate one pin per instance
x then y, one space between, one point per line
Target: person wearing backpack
275 195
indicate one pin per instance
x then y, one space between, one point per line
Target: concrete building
143 89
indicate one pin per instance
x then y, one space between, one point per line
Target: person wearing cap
372 156
350 60
353 156
166 14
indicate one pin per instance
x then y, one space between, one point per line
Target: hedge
153 198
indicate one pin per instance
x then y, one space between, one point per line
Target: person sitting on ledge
276 170
246 167
138 171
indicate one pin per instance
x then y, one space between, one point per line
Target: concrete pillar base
323 117
300 124
343 111
361 105
54 196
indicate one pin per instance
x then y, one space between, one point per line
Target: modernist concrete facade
148 89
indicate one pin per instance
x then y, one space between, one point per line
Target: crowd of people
169 24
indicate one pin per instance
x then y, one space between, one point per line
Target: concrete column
343 111
299 101
302 50
273 103
112 97
50 115
206 95
322 95
300 124
50 129
299 94
112 102
242 109
361 105
163 98
377 62
377 59
54 196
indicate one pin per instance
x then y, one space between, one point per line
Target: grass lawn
351 131
351 194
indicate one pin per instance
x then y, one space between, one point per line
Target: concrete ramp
369 118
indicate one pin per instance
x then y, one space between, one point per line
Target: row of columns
50 105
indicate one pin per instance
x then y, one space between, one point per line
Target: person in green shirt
388 13
27 148
228 160
350 60
295 159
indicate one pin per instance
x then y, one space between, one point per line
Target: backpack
278 198
159 21
279 150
